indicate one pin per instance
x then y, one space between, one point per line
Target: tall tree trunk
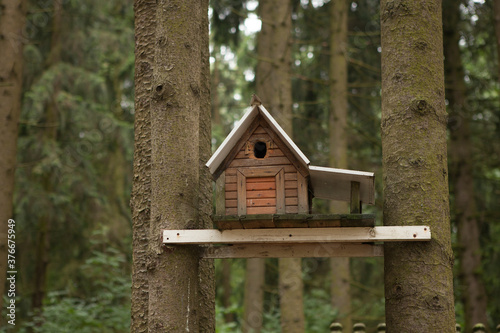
418 275
12 17
49 135
254 296
496 18
341 277
469 251
141 186
274 87
180 286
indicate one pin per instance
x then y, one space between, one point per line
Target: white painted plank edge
301 250
298 235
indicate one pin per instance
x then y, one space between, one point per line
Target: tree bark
340 286
49 135
460 152
253 302
418 276
496 19
12 17
175 75
141 187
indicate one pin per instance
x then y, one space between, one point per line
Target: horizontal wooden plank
290 169
261 179
230 211
290 176
230 172
270 153
231 179
305 250
261 202
290 184
298 235
260 130
261 194
291 192
260 162
233 203
232 221
261 186
291 201
231 187
231 195
291 209
261 210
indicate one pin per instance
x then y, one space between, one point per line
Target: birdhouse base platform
229 222
295 242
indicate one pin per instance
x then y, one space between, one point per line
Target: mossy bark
12 17
461 159
180 286
340 287
141 187
418 276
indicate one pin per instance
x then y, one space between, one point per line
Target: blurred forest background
75 149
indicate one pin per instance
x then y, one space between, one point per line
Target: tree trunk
496 13
274 87
418 275
175 76
12 17
49 135
141 186
460 152
340 287
254 296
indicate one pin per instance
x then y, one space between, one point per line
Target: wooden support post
312 250
220 195
336 327
479 328
355 201
359 328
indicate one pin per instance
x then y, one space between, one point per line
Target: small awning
335 184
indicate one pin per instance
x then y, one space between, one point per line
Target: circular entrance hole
260 149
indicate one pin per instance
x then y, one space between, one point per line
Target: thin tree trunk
460 152
340 287
180 286
49 135
254 296
496 13
141 187
274 87
418 276
12 17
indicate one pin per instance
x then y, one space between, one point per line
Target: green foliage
106 307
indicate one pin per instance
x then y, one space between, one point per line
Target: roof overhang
252 112
335 184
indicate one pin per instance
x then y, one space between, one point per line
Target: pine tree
180 295
12 17
460 152
418 277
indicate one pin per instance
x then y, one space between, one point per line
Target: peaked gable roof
239 130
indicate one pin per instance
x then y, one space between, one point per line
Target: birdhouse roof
225 148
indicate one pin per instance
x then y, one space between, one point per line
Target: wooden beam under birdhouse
301 250
298 235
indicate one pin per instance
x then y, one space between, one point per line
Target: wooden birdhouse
260 172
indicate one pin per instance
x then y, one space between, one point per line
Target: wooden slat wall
261 191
